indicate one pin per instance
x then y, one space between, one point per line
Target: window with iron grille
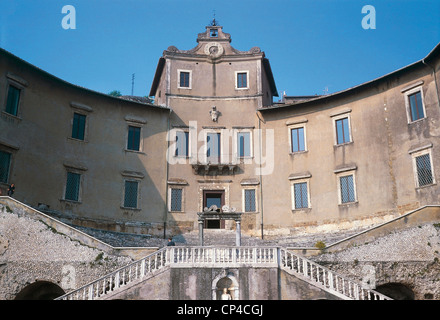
301 199
243 144
347 189
297 139
72 186
13 100
134 138
5 163
416 106
176 199
241 79
424 170
182 139
184 79
79 126
131 194
249 200
342 131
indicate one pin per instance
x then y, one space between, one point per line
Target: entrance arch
40 290
396 291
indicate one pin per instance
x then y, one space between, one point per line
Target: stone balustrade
225 257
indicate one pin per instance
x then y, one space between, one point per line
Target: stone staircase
223 257
212 237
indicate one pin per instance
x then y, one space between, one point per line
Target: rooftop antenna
132 84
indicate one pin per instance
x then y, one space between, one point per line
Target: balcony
214 168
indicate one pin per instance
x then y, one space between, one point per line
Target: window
5 163
249 200
297 139
424 170
13 100
416 106
342 130
300 195
184 80
176 199
79 126
134 138
243 144
182 144
213 147
300 192
131 194
72 186
347 190
241 80
423 165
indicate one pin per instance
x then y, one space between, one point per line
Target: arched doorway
40 290
396 291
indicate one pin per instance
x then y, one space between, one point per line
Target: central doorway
214 197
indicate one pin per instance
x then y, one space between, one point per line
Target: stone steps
211 237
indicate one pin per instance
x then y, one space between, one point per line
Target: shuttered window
78 126
5 163
134 138
13 100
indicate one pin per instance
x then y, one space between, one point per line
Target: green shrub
320 245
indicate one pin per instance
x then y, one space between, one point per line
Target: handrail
184 257
118 278
218 256
325 278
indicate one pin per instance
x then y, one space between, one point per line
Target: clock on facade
214 49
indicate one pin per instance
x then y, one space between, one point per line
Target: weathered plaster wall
31 251
410 257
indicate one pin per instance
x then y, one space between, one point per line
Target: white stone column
238 233
201 232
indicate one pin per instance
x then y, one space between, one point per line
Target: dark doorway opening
214 197
40 290
396 291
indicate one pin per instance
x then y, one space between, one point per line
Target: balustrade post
142 269
330 280
91 292
201 232
304 267
238 233
117 280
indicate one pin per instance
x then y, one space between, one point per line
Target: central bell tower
214 91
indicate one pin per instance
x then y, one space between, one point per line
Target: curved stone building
213 136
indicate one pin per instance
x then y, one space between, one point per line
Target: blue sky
312 45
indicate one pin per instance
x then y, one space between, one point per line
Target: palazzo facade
214 136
